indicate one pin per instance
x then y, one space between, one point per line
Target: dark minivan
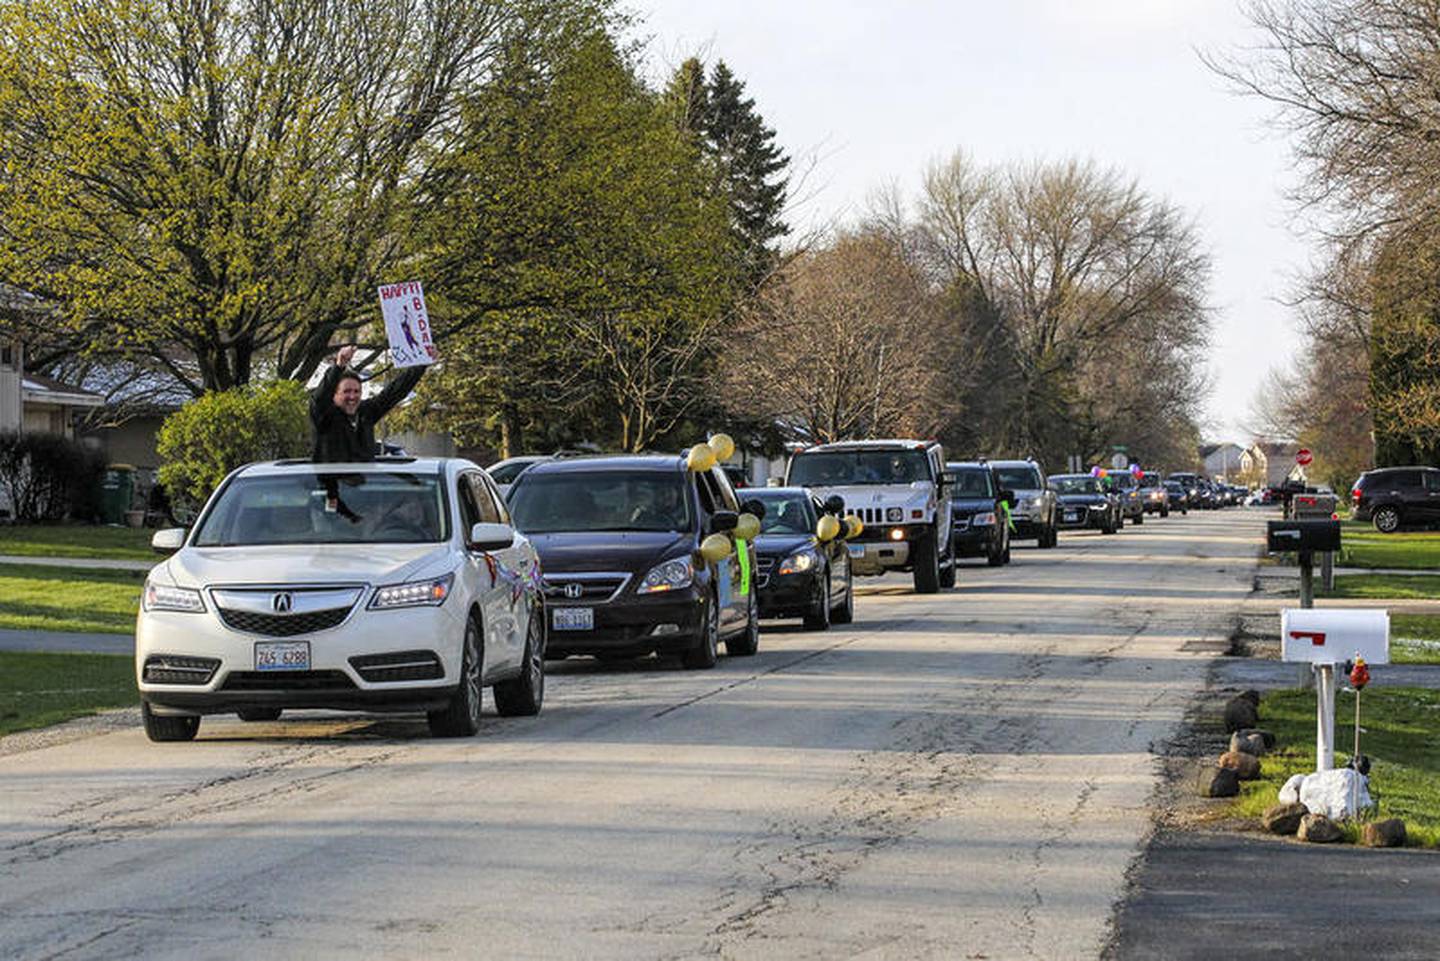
619 542
1396 497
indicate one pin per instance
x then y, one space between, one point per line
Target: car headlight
427 593
161 598
1035 503
797 563
980 520
669 576
893 514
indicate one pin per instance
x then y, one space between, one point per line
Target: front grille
960 520
288 681
399 666
591 588
173 669
874 515
282 625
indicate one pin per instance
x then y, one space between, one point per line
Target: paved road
963 775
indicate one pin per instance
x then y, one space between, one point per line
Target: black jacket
340 439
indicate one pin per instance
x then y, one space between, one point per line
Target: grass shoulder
1398 732
38 690
77 540
1363 546
34 597
1387 586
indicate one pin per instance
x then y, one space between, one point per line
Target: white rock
1290 793
1334 793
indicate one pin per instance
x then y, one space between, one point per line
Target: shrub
214 434
47 477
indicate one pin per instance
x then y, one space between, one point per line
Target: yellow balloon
853 526
715 548
701 457
828 528
722 446
748 528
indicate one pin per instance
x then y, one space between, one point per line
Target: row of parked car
411 584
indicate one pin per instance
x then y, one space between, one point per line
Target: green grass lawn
1364 546
74 540
1415 638
37 598
1381 586
1399 728
37 690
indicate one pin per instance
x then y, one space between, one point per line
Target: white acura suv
397 585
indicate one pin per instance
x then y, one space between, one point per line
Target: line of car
411 584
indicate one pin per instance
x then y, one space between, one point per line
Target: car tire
747 643
927 565
1165 512
163 727
1386 519
845 613
1139 518
255 714
995 559
948 574
524 696
1050 537
706 654
461 717
819 619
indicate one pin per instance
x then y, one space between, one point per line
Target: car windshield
1122 481
1019 478
972 482
1075 485
506 473
577 501
308 507
857 467
1151 480
786 514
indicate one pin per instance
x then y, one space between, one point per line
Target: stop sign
1303 457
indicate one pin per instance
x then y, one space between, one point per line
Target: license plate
282 655
1072 516
573 619
856 550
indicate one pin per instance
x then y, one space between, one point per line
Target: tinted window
485 507
1075 485
600 501
1121 481
322 508
506 473
1432 480
1019 478
844 468
786 514
972 482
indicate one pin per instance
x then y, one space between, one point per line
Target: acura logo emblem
281 603
573 591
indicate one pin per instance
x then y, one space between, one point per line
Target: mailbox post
1323 639
1311 505
1304 537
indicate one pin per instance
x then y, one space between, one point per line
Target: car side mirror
835 504
168 541
722 522
754 506
491 537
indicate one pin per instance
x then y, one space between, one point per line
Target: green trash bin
116 490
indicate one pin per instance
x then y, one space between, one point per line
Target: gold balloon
701 457
748 528
853 526
722 446
828 528
715 548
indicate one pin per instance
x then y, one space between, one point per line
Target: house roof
38 389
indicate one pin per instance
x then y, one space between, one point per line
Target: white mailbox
1330 636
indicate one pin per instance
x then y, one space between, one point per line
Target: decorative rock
1283 818
1335 793
1247 742
1264 735
1290 793
1318 829
1252 696
1245 766
1216 782
1240 714
1389 833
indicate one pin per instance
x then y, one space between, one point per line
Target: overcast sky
874 91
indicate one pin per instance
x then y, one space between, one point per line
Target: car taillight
1355 495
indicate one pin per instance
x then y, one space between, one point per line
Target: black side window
1406 479
705 486
501 509
469 513
484 500
724 493
1432 480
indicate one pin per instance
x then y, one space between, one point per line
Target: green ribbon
742 549
1009 520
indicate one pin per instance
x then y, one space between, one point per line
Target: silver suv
897 488
1034 511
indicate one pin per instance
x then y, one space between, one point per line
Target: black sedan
978 526
797 573
1085 503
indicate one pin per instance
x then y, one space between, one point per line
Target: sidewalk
63 642
90 563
